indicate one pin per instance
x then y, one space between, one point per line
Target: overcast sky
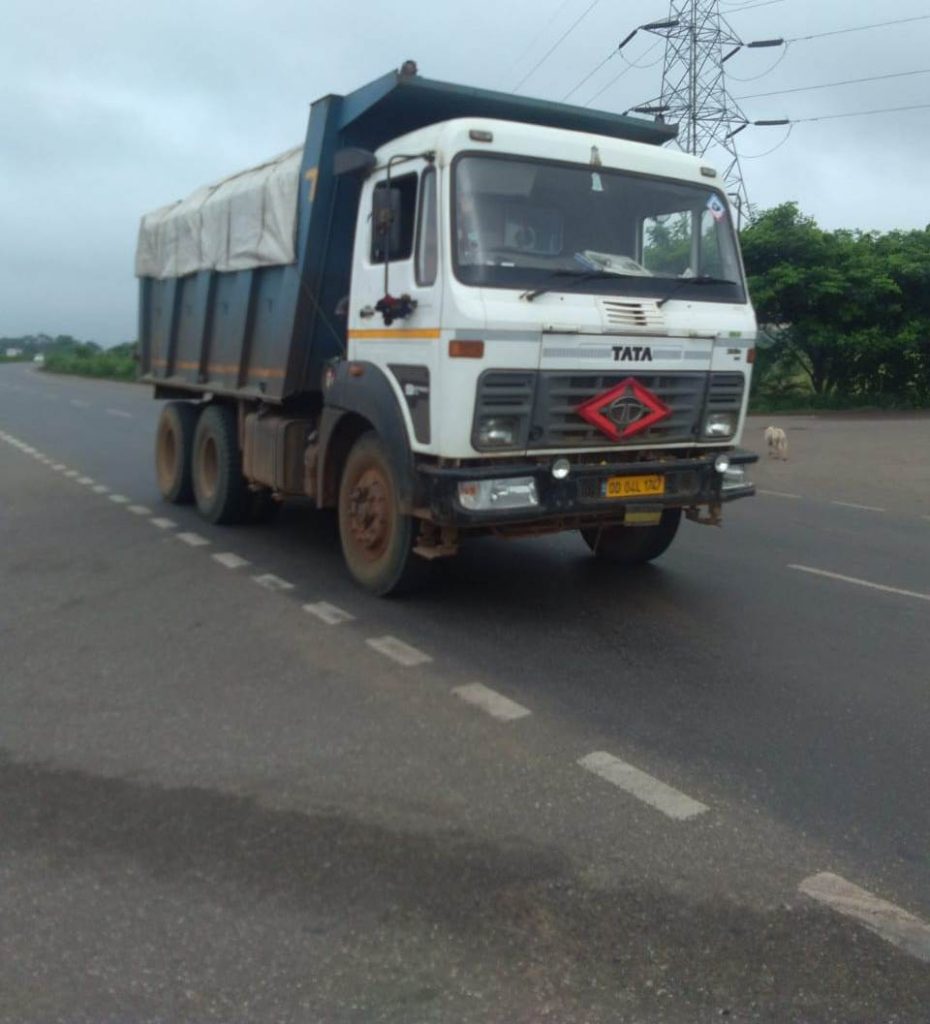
109 108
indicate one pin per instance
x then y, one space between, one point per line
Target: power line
590 74
749 7
627 68
858 28
832 85
557 43
859 113
542 31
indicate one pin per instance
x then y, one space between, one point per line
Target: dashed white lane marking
80 403
398 651
72 473
119 412
230 560
269 581
59 467
861 508
893 924
495 704
860 583
162 523
86 481
100 488
779 494
139 510
193 539
669 801
328 613
119 499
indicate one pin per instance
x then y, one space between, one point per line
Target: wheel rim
369 514
166 462
209 467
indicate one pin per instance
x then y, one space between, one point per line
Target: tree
825 294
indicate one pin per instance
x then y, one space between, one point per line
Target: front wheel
377 538
633 545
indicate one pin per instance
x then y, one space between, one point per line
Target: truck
454 312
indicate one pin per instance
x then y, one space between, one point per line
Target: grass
113 365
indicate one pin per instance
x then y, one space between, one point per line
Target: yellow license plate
634 486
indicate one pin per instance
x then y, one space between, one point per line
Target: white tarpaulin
246 220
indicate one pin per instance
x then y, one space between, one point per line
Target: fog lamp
485 495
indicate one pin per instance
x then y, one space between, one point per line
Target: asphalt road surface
234 787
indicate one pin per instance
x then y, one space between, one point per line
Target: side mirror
353 161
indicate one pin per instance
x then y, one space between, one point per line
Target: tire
174 447
220 490
633 545
377 538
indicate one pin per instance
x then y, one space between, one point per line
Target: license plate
634 486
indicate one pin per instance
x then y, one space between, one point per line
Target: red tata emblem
624 411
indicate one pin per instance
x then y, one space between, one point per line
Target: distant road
235 787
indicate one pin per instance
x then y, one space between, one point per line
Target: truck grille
646 316
548 403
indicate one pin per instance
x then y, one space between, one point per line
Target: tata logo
625 410
632 354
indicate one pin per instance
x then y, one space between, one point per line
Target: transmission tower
698 43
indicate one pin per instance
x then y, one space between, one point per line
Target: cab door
397 266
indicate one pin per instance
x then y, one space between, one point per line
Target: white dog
777 440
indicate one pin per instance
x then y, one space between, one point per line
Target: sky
111 108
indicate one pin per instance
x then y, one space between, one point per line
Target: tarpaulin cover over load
245 221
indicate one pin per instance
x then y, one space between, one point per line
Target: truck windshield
536 225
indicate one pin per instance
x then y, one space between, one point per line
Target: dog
777 441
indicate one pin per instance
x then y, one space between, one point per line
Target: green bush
117 363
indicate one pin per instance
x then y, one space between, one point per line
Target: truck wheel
377 538
219 487
633 545
174 446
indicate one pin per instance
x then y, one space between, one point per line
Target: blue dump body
266 333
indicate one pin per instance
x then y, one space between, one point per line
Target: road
236 788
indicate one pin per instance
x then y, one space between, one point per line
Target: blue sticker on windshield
717 210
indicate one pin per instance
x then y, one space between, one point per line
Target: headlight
498 432
484 495
720 425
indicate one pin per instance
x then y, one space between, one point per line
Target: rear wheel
220 489
377 538
633 545
174 445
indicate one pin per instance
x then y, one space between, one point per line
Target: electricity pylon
698 43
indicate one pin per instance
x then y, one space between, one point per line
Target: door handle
366 312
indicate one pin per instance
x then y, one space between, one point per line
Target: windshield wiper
683 281
578 277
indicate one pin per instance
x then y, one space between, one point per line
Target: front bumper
689 483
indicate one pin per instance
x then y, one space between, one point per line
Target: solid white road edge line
861 508
669 801
269 581
495 704
193 539
163 524
398 651
860 583
328 613
893 924
230 560
778 494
